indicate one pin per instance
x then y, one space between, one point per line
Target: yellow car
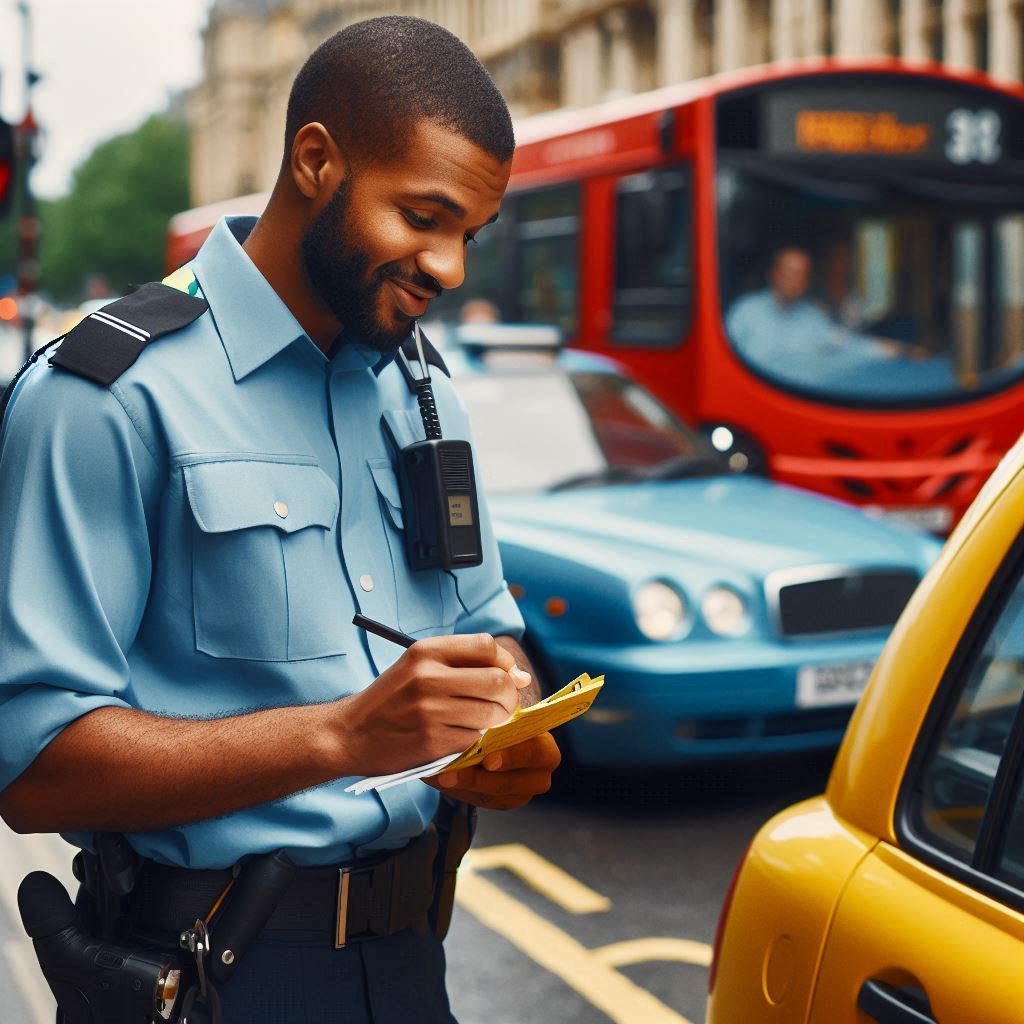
898 896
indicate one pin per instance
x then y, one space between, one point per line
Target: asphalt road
594 904
659 849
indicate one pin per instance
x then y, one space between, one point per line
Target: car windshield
889 289
542 430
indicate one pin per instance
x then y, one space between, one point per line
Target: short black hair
370 82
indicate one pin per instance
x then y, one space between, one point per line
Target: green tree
114 220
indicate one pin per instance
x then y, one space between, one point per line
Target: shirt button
366 582
281 509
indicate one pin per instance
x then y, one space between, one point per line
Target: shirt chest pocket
267 582
426 598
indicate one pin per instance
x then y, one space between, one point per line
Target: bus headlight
660 611
742 453
725 612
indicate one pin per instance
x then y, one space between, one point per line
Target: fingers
470 713
538 752
506 779
500 791
466 650
472 649
428 680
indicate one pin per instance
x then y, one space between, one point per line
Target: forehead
437 159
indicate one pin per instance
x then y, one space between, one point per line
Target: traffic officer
198 493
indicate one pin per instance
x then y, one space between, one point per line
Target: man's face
790 275
394 235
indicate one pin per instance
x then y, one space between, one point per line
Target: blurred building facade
551 53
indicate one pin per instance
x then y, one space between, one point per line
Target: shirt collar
253 323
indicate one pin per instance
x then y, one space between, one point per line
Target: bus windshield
889 287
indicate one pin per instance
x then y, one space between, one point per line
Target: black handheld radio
437 485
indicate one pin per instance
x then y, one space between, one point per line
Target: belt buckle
341 923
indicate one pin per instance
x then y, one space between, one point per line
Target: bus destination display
961 130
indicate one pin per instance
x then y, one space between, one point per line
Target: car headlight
660 611
725 612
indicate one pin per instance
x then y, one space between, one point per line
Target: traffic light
6 167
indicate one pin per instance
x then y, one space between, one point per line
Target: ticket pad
570 702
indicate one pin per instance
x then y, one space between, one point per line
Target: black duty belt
365 900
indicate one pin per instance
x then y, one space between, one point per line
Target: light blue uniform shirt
147 561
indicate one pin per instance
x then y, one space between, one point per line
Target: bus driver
781 323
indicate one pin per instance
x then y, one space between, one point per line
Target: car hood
745 523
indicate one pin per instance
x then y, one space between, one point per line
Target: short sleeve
487 605
77 485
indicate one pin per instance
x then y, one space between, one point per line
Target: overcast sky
106 65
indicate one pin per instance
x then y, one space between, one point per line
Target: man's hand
505 779
435 700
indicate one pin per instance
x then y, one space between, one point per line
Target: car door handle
888 1005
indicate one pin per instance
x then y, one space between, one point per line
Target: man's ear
317 165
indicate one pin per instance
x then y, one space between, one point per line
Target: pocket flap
387 487
240 493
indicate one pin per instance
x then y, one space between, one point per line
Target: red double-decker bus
820 265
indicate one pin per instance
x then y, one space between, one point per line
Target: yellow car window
956 785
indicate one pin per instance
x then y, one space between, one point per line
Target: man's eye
419 222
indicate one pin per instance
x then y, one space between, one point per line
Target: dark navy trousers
298 978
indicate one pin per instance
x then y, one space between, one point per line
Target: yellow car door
931 927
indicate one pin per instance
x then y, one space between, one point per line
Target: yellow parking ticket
569 702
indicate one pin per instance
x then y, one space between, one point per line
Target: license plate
930 518
823 685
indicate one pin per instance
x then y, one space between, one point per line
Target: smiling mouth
412 301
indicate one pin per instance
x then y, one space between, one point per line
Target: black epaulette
107 342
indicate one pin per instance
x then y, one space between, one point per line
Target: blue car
730 615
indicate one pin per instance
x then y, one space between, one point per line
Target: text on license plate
820 685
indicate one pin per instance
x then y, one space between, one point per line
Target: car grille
792 723
844 603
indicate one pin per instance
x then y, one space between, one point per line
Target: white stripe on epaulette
124 330
117 320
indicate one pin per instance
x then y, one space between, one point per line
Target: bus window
651 302
548 243
968 298
526 264
1010 259
487 270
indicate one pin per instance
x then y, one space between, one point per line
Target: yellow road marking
555 951
640 951
550 881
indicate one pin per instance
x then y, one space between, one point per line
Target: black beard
338 270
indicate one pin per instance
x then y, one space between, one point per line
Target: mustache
394 272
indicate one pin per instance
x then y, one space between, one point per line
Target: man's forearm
117 769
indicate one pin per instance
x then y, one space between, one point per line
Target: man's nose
445 262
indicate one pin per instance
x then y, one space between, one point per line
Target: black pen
396 636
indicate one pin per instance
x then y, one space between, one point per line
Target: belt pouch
456 823
260 884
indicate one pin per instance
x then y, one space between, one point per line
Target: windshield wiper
686 465
671 469
608 475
